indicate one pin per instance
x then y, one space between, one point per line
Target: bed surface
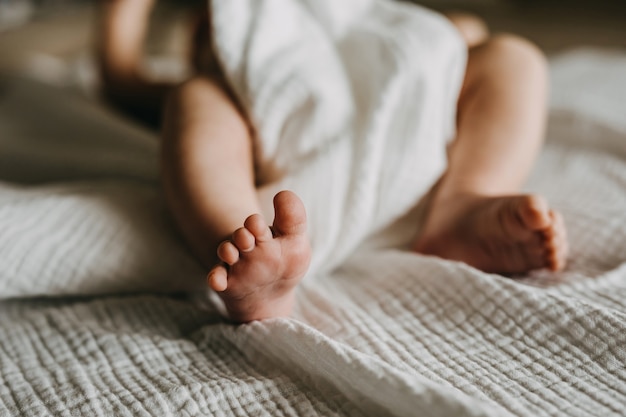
389 333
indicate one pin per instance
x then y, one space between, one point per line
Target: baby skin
263 264
507 235
476 213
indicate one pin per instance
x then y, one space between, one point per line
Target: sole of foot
506 235
261 265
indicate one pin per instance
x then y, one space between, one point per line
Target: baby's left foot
264 266
509 234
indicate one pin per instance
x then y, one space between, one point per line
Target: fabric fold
353 104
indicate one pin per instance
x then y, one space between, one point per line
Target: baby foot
263 265
509 235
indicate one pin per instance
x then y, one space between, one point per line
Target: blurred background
52 39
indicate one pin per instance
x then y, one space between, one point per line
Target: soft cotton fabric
353 103
387 333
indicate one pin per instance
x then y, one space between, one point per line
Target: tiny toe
228 253
556 261
535 212
555 238
258 227
243 239
556 253
558 243
218 279
549 232
290 214
557 217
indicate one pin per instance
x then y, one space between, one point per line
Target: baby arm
122 26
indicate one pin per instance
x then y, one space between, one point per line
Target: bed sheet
387 333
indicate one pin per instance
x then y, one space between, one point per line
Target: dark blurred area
554 25
14 13
53 39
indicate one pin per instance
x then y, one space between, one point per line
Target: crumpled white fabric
353 103
388 333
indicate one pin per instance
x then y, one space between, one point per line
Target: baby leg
208 178
477 214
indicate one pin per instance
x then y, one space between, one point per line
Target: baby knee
521 52
189 90
472 28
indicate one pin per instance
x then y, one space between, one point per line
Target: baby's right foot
506 234
264 265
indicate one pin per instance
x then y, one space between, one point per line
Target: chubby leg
477 214
207 165
208 178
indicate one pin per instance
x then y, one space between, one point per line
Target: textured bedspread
388 333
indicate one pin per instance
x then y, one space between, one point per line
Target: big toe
533 212
290 214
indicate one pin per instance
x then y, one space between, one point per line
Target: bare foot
509 235
264 267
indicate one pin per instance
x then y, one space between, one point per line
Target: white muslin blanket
353 104
387 332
